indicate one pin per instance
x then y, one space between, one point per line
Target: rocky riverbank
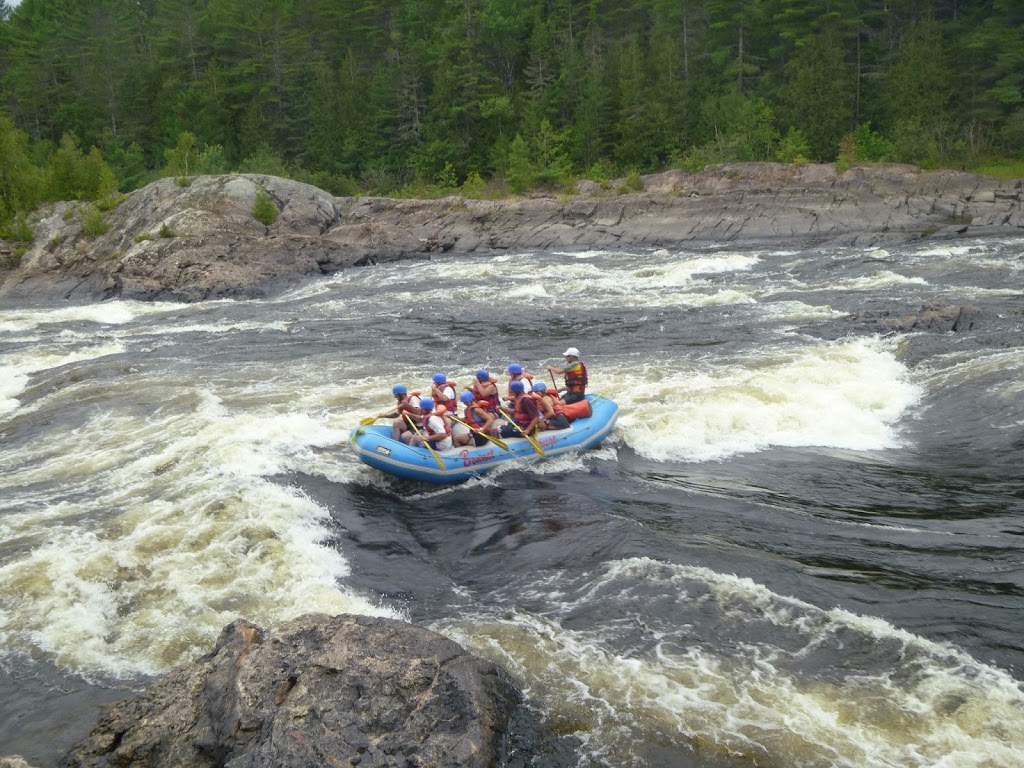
200 240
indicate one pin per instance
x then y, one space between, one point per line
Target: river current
802 546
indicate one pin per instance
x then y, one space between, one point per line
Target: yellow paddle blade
500 443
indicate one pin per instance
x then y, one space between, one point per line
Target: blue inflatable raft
374 446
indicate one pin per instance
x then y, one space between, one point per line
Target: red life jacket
520 414
576 379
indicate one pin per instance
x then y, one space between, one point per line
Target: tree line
397 96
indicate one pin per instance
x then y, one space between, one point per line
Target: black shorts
507 430
479 439
573 397
558 421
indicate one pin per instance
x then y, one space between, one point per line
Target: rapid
802 546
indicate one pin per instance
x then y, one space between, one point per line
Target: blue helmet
540 386
515 368
426 403
483 375
399 389
439 378
516 386
467 397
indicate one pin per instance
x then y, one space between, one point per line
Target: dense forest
395 95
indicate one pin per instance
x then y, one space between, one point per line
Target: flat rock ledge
321 691
201 241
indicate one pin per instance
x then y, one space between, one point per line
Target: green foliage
793 147
391 93
632 182
166 231
93 223
20 180
20 230
447 179
71 175
603 171
520 174
211 161
110 202
142 237
870 146
264 160
473 187
847 155
336 183
1001 169
551 165
181 159
263 209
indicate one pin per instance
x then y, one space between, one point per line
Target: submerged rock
322 691
201 240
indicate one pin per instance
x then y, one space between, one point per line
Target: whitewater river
802 546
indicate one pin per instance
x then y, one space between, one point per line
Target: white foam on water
659 279
104 313
846 394
749 700
19 365
169 530
875 281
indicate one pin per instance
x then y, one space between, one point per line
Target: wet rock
322 691
14 761
930 317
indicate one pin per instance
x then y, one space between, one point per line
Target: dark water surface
802 546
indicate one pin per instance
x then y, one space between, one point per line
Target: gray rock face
323 691
219 249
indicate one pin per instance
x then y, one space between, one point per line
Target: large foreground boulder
322 691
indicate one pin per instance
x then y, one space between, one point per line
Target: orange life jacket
556 403
493 401
470 413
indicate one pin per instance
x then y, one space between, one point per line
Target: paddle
533 441
426 445
370 419
500 443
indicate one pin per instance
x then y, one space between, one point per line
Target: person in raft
406 403
442 392
575 373
550 407
516 373
433 428
523 411
476 415
485 389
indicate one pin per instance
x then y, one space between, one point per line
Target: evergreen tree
818 94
